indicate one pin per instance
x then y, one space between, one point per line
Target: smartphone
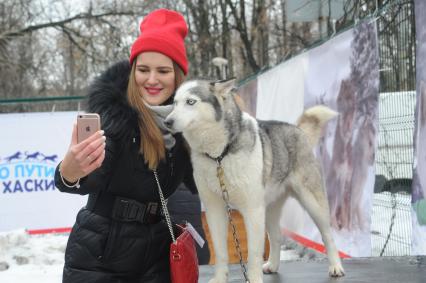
87 125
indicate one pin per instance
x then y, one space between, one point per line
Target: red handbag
183 258
183 255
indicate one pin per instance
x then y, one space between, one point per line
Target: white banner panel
419 174
32 144
280 91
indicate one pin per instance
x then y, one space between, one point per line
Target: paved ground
359 270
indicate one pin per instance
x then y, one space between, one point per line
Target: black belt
124 209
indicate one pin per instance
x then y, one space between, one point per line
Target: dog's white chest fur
240 174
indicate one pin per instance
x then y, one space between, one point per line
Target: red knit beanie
163 31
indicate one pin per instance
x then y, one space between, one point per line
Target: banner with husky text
343 74
32 144
419 175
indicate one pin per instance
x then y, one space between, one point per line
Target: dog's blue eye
190 101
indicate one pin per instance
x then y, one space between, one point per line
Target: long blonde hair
151 141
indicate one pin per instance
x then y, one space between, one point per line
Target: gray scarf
160 114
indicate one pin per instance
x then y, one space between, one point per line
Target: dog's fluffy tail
313 120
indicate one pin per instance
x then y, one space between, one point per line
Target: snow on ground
39 258
35 259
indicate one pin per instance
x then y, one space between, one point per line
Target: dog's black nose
169 123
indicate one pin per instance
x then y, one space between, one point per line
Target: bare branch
80 16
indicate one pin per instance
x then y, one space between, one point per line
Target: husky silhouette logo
27 172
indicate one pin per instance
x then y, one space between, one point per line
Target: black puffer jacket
103 250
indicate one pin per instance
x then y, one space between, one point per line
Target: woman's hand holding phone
85 156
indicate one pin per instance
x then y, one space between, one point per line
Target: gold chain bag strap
183 255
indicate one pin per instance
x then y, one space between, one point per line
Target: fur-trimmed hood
107 96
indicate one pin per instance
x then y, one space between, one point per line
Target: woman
119 236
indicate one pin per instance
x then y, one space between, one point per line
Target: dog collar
221 156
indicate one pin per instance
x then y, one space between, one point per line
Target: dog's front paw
270 267
218 280
220 274
336 270
256 279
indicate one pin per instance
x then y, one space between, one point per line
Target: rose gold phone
87 125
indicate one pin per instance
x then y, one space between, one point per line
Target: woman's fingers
82 145
83 158
97 162
88 146
93 151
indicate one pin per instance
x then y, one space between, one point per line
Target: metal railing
391 214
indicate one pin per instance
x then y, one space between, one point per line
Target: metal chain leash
225 196
164 205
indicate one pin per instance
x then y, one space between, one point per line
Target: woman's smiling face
155 77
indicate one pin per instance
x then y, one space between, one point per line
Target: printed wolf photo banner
419 169
349 85
343 74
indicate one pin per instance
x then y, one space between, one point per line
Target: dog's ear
223 87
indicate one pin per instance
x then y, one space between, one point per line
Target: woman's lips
153 90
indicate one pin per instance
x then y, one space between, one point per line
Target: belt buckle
152 208
128 210
151 212
119 211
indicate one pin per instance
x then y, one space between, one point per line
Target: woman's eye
143 70
190 101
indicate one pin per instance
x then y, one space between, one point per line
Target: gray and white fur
265 163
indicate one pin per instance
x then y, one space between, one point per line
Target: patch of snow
32 258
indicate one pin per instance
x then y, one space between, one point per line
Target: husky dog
264 163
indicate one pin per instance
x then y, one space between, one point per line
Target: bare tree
202 19
238 11
42 53
226 38
54 48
